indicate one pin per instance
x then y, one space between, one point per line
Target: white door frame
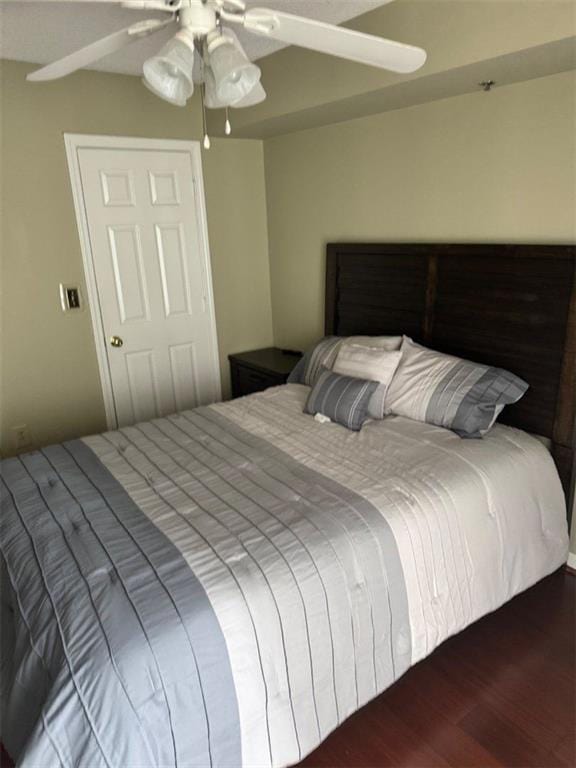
76 141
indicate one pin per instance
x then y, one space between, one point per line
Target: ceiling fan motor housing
199 18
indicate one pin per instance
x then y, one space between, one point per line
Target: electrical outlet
21 438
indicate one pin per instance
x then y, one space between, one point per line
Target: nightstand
255 371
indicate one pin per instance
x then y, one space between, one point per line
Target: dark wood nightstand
255 371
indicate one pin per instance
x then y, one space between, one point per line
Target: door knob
116 341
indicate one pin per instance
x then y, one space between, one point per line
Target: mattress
224 586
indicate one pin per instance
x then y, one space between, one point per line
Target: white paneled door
143 216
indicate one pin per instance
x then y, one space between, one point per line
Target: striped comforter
225 586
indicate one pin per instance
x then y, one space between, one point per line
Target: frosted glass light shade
210 96
256 96
234 74
177 102
169 73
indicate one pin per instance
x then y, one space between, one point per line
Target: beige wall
480 167
49 371
483 167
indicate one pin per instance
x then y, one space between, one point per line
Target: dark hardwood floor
501 693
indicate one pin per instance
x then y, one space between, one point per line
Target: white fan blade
96 51
336 41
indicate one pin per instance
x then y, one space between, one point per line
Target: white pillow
373 363
391 343
324 353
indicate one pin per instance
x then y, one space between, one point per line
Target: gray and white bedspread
223 587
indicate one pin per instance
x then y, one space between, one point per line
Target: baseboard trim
571 564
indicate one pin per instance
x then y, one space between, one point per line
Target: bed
224 586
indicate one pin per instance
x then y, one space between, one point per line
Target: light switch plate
70 298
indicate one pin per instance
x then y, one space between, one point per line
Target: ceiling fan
204 35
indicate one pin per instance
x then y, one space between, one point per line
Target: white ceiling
41 32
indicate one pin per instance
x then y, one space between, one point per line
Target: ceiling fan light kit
169 73
234 74
256 96
163 94
229 78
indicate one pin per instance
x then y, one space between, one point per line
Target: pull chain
227 126
204 123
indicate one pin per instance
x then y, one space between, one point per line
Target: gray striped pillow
343 399
321 355
450 392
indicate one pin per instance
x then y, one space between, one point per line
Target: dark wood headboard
512 306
